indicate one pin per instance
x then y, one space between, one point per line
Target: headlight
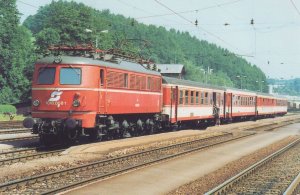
36 103
76 103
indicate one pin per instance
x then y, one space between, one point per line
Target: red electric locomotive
75 95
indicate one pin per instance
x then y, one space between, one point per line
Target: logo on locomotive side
55 96
54 99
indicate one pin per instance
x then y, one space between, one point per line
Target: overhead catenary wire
199 27
190 11
28 4
295 7
142 10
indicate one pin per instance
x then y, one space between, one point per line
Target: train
110 95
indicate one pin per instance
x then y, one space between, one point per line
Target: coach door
228 105
214 97
174 104
256 103
102 92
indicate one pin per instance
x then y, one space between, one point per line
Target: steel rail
294 186
9 124
18 138
224 187
39 154
14 131
142 164
97 164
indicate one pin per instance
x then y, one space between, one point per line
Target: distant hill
286 87
64 22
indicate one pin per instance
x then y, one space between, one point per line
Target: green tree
16 55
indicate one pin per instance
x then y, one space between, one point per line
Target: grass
16 118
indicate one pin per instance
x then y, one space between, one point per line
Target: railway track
294 187
22 155
272 175
15 131
19 138
11 124
58 181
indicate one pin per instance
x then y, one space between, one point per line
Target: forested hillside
64 22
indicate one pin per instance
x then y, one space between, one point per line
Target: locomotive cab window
70 76
46 76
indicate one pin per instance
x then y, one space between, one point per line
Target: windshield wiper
77 72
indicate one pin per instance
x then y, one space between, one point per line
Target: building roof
171 68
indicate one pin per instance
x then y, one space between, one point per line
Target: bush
8 108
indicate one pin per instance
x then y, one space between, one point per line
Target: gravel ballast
209 181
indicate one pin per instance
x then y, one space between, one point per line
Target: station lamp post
260 83
100 31
241 79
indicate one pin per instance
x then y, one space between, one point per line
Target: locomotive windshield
46 76
70 76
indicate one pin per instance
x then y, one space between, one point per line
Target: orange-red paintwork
94 98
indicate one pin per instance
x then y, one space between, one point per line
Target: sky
272 42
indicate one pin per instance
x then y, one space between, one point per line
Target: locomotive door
102 92
174 104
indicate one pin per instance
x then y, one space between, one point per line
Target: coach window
70 76
206 98
186 102
234 100
192 97
180 97
197 97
